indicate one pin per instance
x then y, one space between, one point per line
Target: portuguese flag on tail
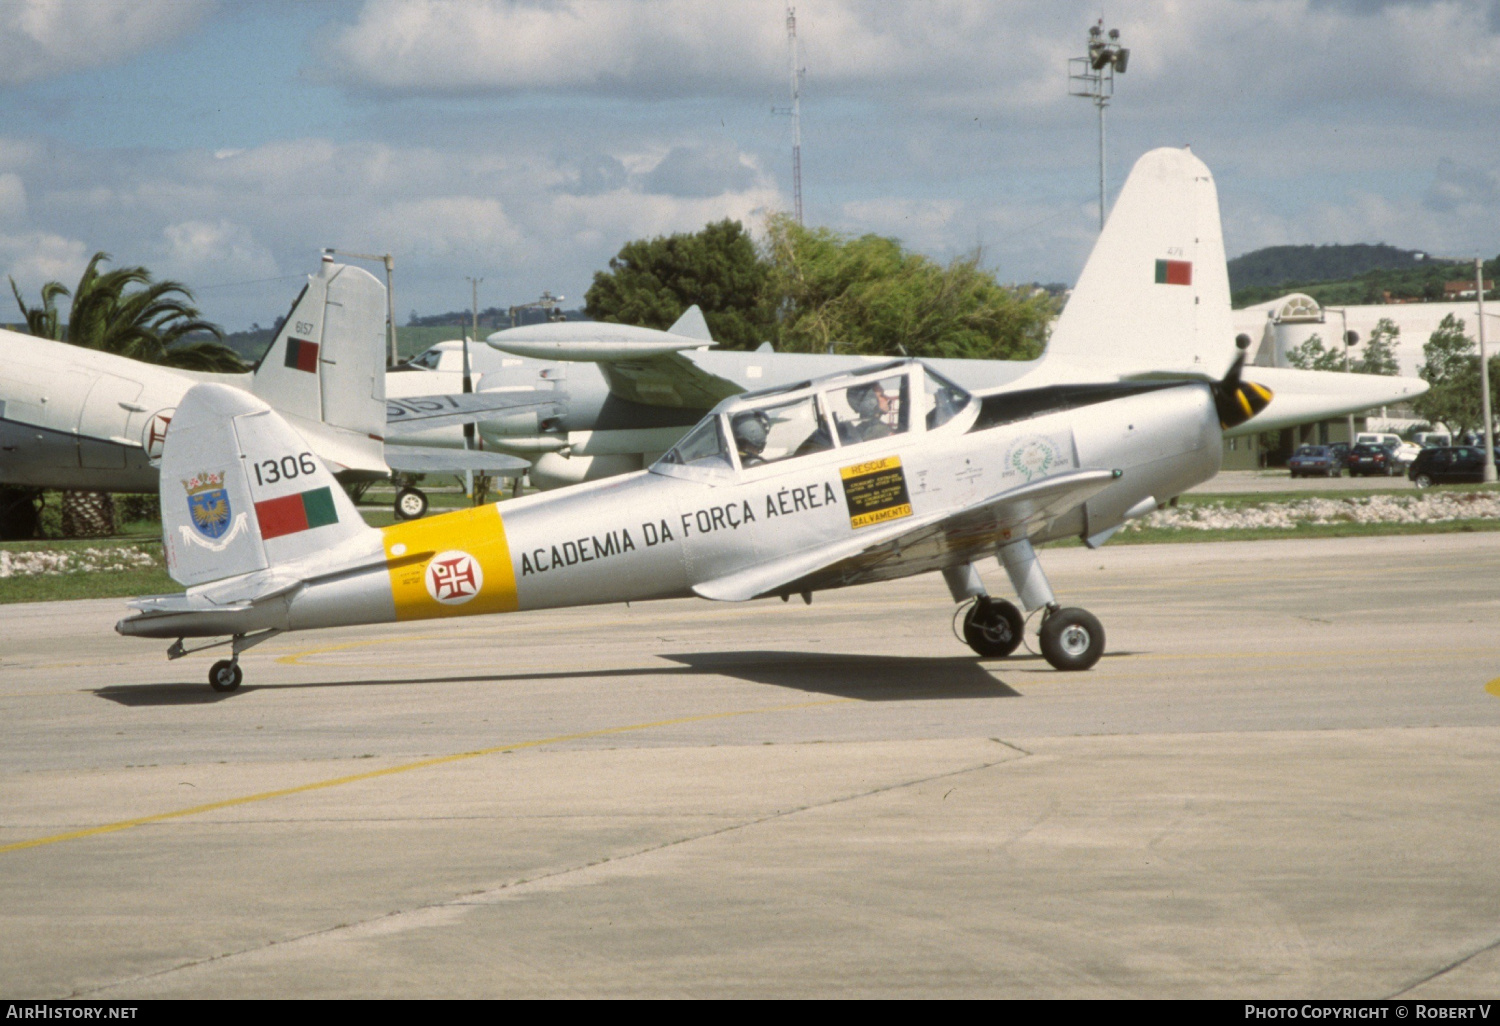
293 513
302 355
1174 272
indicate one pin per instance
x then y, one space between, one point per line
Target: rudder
242 491
1154 295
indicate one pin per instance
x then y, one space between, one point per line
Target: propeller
1238 400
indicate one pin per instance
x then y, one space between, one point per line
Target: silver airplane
72 417
859 476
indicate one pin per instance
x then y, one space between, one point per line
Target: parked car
1449 464
1432 439
1322 460
1367 459
1390 441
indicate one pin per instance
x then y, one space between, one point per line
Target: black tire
1422 481
1072 639
411 504
225 675
992 627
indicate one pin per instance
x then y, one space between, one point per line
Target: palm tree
126 312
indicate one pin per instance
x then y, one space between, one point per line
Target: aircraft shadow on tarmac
866 677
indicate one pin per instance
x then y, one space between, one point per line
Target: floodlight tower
795 110
1093 78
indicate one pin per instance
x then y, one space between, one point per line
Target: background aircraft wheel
992 627
411 504
1072 639
1422 481
225 675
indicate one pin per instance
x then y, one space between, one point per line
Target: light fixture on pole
390 293
1093 78
548 302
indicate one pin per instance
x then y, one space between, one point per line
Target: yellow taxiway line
319 785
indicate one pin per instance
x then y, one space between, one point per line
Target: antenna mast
795 110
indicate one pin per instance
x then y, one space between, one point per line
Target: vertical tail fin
325 372
1154 295
242 491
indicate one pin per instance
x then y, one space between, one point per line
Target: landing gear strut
1071 639
226 674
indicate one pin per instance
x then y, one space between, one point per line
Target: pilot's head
750 431
865 399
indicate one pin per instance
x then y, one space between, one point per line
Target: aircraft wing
642 365
652 372
423 459
903 547
421 413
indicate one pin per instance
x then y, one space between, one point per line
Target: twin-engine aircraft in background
631 392
888 471
72 417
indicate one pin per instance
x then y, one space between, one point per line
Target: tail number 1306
268 472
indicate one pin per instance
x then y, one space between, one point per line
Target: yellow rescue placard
876 491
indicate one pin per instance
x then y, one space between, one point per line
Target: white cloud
32 258
221 248
1009 56
12 197
45 38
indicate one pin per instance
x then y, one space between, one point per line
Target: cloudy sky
224 144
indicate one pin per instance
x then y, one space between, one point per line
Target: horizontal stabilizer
422 413
1305 397
903 547
421 459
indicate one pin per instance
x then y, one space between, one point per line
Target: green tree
868 294
125 312
1311 355
155 323
1379 356
1452 371
652 281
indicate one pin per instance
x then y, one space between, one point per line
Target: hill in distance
1275 266
1344 275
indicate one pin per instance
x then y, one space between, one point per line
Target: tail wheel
411 504
1072 639
226 675
992 627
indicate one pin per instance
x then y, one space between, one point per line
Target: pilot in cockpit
868 402
751 429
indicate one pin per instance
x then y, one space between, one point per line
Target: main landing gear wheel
226 675
411 504
1072 639
992 627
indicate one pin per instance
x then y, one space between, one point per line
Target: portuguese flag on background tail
293 513
1174 272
